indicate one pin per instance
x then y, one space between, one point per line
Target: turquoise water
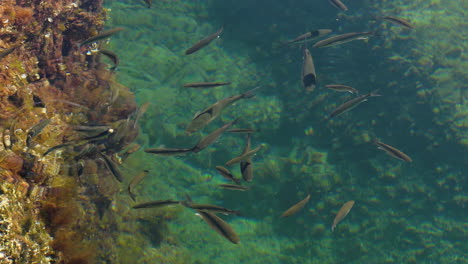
403 213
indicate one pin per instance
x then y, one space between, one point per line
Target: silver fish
244 156
210 208
204 42
220 226
342 88
348 105
309 79
111 166
36 130
205 84
393 151
343 38
101 36
214 111
168 151
296 207
154 204
342 213
227 174
242 130
137 179
306 37
338 4
398 21
246 166
212 137
233 187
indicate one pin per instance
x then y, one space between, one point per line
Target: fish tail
250 93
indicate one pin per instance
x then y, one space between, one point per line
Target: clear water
404 212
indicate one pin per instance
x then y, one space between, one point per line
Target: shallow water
404 212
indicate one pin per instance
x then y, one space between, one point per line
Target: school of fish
110 134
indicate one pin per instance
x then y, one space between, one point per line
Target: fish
227 174
205 84
308 36
342 88
242 130
243 156
204 42
36 130
342 213
111 166
97 128
154 204
202 119
140 112
309 78
8 51
101 36
87 150
210 208
168 151
134 147
99 136
233 187
399 21
220 226
246 167
343 38
212 137
148 2
134 182
338 4
392 151
56 147
348 105
112 56
296 208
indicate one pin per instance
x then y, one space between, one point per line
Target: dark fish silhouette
204 42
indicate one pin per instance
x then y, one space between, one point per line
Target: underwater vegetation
56 97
